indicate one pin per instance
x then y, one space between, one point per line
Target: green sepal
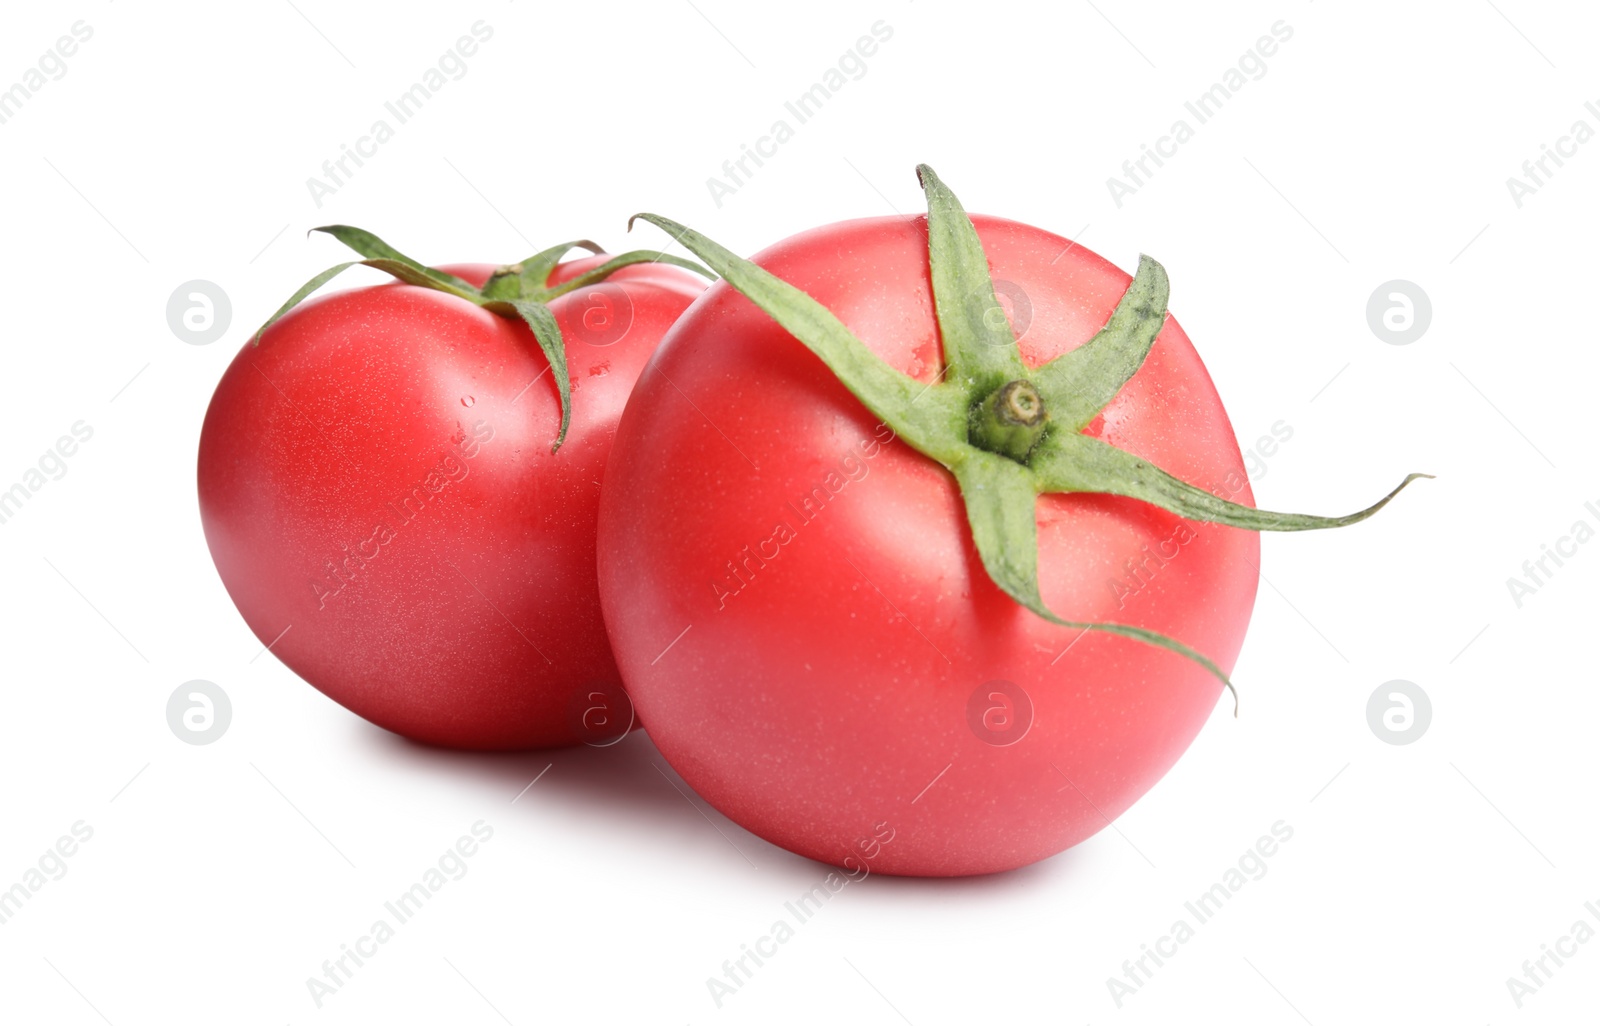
999 495
1077 385
408 272
305 290
930 418
616 263
374 248
980 349
405 270
1069 462
536 269
547 333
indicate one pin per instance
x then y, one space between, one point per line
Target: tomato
380 497
803 621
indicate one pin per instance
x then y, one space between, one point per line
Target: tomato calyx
1006 432
520 291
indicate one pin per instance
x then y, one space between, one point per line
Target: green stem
1010 421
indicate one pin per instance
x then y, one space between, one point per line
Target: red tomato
803 622
380 498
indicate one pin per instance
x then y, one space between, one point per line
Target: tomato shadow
628 777
626 787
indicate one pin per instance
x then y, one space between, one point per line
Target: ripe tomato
379 494
800 614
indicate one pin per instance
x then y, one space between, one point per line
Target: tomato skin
820 688
379 496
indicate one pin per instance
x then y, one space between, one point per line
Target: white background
1376 147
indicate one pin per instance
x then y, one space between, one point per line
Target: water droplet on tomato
467 400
